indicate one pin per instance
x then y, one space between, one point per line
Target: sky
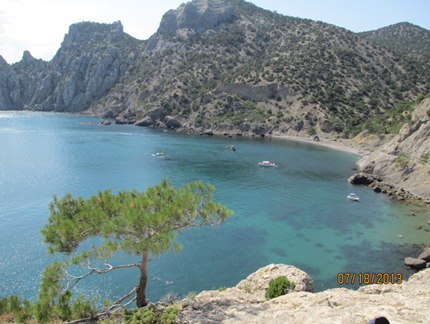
39 26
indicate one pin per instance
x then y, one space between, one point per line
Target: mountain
91 60
221 66
403 38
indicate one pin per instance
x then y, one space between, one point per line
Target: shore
336 145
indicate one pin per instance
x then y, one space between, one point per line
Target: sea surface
295 213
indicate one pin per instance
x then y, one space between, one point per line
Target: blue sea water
296 213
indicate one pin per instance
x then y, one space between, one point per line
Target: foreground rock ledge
408 302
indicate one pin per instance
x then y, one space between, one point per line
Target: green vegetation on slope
333 75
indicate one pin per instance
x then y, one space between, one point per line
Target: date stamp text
348 278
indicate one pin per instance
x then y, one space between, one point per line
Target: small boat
230 147
353 196
159 154
266 163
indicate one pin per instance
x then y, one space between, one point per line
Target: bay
296 213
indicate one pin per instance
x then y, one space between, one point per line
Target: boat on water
230 147
353 196
266 163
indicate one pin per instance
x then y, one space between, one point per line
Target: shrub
15 310
402 161
425 158
151 315
278 287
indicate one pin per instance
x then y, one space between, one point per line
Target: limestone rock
415 263
259 280
197 15
89 63
401 303
425 255
172 122
145 122
402 162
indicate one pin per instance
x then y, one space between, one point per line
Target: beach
336 145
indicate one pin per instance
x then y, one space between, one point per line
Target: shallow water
296 213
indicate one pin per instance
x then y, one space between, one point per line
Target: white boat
353 196
266 163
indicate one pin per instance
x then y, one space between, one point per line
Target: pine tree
143 224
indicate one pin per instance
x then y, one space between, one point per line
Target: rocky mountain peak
3 63
27 59
199 15
92 32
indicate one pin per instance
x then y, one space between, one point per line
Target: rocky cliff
198 15
220 66
401 166
407 302
91 60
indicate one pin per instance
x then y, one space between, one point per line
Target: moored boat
266 163
353 196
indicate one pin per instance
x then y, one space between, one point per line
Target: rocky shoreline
369 148
373 172
400 167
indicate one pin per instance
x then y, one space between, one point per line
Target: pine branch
73 280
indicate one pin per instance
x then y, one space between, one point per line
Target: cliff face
89 63
399 303
220 66
402 164
198 15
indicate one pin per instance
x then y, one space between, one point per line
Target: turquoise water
296 213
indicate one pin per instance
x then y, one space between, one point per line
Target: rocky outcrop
197 15
363 179
191 18
401 167
423 260
91 60
400 303
172 122
416 263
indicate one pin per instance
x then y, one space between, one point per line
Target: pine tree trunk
141 290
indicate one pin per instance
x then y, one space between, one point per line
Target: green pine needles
141 224
278 287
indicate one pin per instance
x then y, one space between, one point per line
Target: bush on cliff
279 286
151 315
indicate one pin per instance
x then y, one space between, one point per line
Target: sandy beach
336 145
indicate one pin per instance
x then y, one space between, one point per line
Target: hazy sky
40 25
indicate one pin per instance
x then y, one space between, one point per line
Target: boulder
145 122
425 255
415 263
260 279
172 122
123 120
